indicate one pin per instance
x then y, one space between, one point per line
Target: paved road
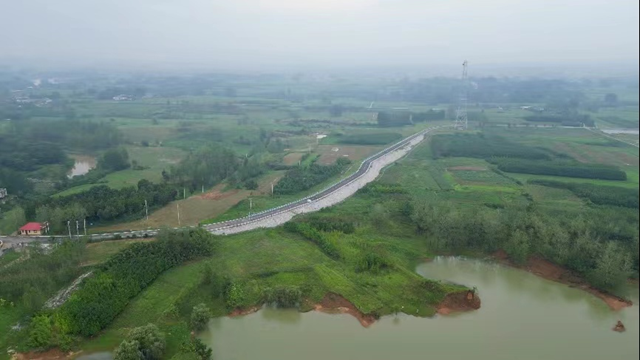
364 168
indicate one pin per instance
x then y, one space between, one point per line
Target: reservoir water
82 164
522 317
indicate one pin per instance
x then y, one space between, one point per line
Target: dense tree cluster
560 168
102 203
369 139
304 178
73 134
108 291
593 249
597 194
483 146
24 155
206 166
114 160
400 118
565 120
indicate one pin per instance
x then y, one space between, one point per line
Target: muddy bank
335 304
246 311
459 302
53 354
550 271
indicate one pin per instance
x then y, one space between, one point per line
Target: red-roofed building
33 228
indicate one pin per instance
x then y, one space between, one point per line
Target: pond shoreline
550 271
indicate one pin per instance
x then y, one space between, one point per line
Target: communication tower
462 121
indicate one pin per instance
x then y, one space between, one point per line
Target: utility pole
84 226
146 209
461 121
77 229
271 189
178 207
69 227
184 193
250 205
203 189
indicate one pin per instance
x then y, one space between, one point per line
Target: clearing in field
292 158
330 153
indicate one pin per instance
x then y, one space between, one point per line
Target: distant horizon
620 68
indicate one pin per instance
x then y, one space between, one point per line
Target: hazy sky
318 33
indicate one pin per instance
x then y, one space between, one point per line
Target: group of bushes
571 120
369 139
378 188
303 178
400 118
314 235
553 168
108 291
597 194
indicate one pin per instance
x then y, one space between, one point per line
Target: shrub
199 317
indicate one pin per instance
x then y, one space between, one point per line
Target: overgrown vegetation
303 178
560 168
597 194
369 139
105 294
30 282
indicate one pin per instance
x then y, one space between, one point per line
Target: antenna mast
461 121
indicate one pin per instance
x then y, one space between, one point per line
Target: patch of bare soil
217 194
459 302
467 168
53 354
551 271
335 304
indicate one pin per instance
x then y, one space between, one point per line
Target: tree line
484 147
304 178
583 244
114 283
560 168
597 194
102 203
400 118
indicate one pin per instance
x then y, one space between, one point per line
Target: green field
153 159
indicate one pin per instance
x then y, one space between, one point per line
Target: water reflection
522 317
283 316
82 164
